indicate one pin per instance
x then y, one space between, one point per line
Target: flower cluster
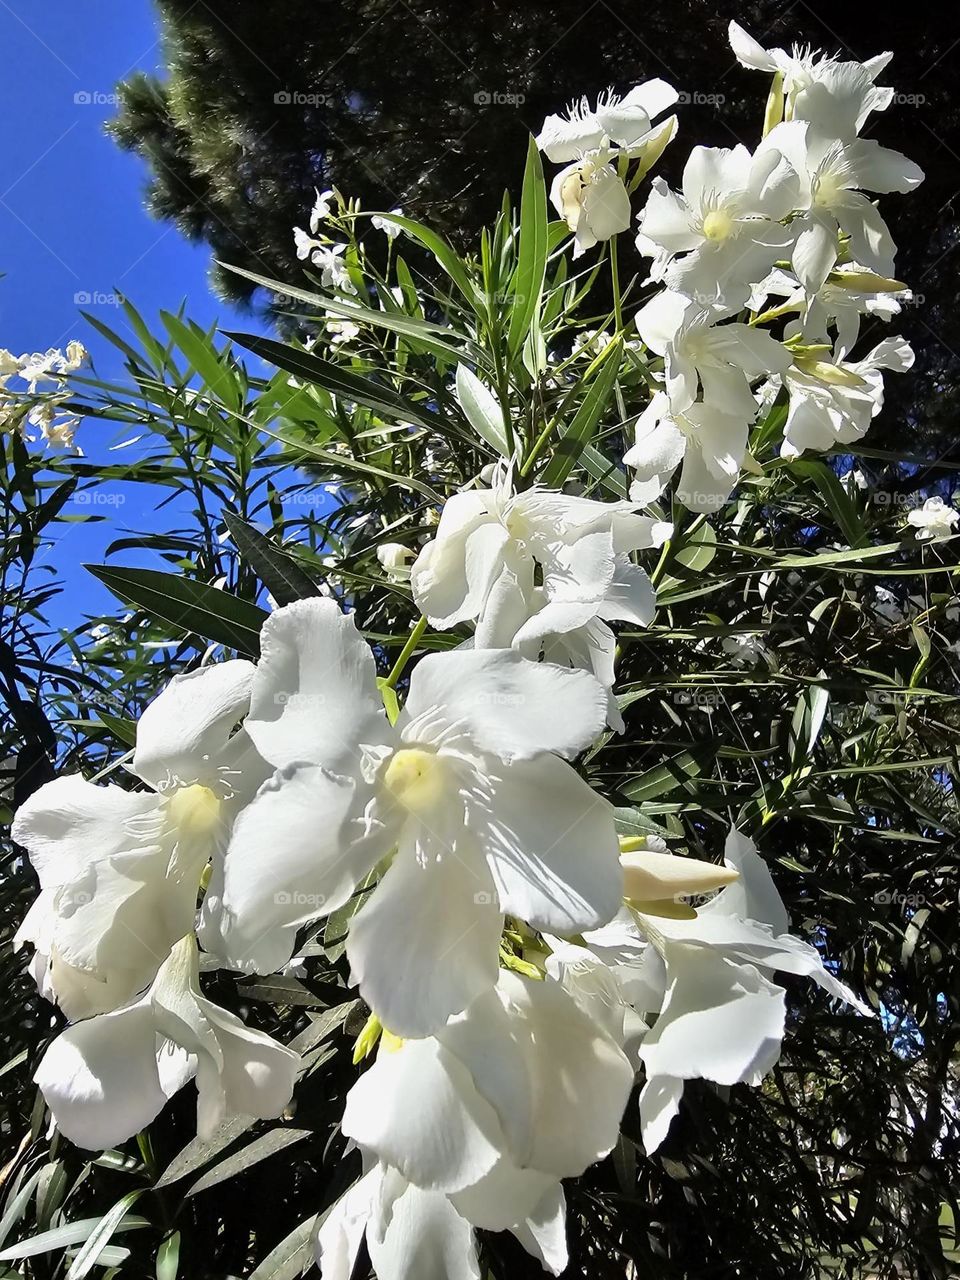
523 963
32 407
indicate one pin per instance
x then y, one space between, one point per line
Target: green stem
615 280
406 653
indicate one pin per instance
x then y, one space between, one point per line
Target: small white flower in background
935 519
320 211
534 1091
340 330
106 1078
389 228
745 650
333 270
835 97
395 560
120 870
471 788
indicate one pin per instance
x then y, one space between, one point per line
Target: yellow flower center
195 810
415 777
717 225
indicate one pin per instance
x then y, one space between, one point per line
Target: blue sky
73 229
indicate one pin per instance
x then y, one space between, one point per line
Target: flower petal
315 697
424 1239
552 846
425 943
184 729
504 704
297 852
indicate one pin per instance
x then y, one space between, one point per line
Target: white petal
341 1233
183 731
425 943
502 703
880 169
255 1076
606 204
419 1110
100 1078
649 875
544 1233
748 52
562 139
552 847
753 896
720 1021
69 823
503 1197
297 852
315 696
659 1103
425 1239
815 251
438 576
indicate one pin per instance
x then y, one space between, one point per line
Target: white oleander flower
491 544
833 401
836 97
935 519
469 788
702 977
106 1078
834 176
320 211
591 198
621 122
389 228
482 1121
120 870
726 223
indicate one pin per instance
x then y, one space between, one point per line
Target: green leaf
532 264
291 1257
481 409
452 264
70 1233
211 365
101 1236
666 777
123 730
277 570
188 606
580 431
168 1257
196 1153
841 505
261 1148
823 559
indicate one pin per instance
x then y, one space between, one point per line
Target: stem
405 653
615 280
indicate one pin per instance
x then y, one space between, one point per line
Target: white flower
834 174
120 870
833 400
855 477
395 559
108 1077
340 330
700 976
389 228
726 222
590 197
469 788
836 97
625 122
935 519
320 211
540 571
481 1122
333 270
